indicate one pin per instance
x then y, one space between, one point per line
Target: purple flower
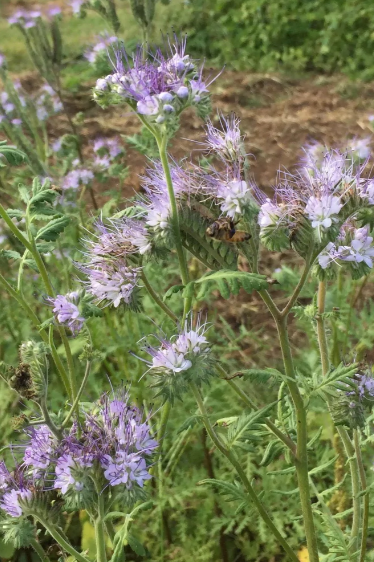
4 476
10 501
155 88
100 48
67 474
54 11
110 148
76 5
322 211
227 143
77 177
126 469
67 311
360 148
361 248
179 353
2 60
111 282
40 450
119 236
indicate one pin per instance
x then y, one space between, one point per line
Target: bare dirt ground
278 117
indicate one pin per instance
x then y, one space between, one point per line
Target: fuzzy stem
39 550
161 143
157 299
301 283
56 534
349 449
301 460
79 394
100 528
235 463
365 522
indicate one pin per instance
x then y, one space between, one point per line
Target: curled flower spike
158 88
227 142
67 312
10 501
39 452
181 359
112 282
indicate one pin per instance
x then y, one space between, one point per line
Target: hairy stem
365 517
348 446
60 539
79 394
301 460
39 550
162 145
235 463
157 299
100 527
273 428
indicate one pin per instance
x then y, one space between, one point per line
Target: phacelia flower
322 211
360 148
227 142
10 501
119 236
42 445
112 282
67 312
361 248
234 195
76 178
67 474
156 89
100 48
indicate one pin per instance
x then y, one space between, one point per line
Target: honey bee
224 229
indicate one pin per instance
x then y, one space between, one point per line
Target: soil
278 116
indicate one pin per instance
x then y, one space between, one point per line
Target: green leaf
231 492
51 231
24 193
247 425
172 291
11 154
136 545
15 214
228 282
10 254
323 466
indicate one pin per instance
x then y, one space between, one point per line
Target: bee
224 229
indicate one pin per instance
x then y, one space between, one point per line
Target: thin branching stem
235 463
39 550
157 299
343 433
60 539
79 394
365 516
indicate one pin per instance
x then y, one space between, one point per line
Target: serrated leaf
323 466
232 492
15 214
45 247
12 155
246 424
10 254
24 193
189 423
229 282
51 231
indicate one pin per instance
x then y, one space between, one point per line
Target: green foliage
12 155
272 35
227 282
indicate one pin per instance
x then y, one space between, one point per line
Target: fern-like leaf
11 154
246 426
212 253
228 282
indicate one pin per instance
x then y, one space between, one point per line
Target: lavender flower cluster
157 90
100 49
29 18
107 152
114 446
66 311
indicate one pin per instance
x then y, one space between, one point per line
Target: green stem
79 394
35 320
301 460
246 399
235 463
365 518
162 143
56 534
349 449
301 283
39 550
157 299
48 421
100 527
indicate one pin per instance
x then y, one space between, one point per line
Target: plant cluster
210 224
